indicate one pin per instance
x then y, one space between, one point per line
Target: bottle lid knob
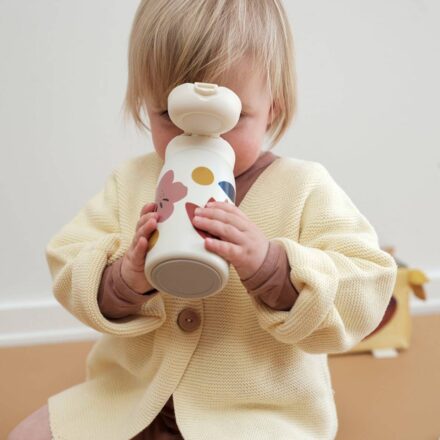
205 89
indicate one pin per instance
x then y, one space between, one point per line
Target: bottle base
187 278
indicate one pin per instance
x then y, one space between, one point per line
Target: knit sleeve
115 298
77 256
344 279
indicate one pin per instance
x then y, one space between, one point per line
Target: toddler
307 275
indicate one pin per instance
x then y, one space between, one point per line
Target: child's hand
132 267
242 243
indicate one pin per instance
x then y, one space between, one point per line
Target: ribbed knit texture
249 372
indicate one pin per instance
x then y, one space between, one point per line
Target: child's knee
33 427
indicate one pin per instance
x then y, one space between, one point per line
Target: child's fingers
144 218
141 241
149 207
224 231
229 251
146 229
146 212
228 207
225 217
145 226
139 251
138 254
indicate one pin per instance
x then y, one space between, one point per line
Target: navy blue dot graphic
228 189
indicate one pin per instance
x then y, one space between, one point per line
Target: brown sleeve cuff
115 298
271 282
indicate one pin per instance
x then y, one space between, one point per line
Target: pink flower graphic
168 193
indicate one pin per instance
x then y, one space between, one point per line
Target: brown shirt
270 283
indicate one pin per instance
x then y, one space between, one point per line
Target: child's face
246 137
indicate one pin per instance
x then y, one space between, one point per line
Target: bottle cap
204 108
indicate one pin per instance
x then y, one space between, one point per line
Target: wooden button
188 320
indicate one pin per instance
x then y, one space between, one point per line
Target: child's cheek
236 136
162 135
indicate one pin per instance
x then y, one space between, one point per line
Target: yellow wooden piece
417 277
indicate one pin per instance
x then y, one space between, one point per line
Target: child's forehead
248 83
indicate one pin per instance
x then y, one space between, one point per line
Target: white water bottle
198 168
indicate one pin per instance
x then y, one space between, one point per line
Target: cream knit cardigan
249 372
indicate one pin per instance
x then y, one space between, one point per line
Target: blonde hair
179 41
